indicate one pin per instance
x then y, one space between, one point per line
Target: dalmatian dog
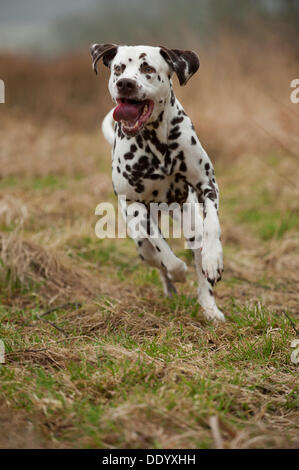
157 158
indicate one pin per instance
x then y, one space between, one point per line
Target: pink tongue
127 112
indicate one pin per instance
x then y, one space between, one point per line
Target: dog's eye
149 70
118 69
145 68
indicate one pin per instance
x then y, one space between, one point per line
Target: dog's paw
212 262
177 271
168 287
214 314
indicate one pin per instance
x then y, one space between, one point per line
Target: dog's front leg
212 255
202 178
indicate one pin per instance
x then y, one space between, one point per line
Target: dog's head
140 80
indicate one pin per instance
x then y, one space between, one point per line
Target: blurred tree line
168 21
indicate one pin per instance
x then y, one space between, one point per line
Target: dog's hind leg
156 250
205 292
149 255
168 286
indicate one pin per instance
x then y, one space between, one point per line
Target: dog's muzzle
132 113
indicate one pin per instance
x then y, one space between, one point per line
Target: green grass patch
37 183
270 224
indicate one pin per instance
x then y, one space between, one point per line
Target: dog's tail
107 127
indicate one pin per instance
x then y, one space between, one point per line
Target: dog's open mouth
133 114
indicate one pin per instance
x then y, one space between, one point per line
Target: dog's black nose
126 85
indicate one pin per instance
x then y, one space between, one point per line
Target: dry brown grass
19 431
131 369
25 262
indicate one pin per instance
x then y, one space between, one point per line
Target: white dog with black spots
157 157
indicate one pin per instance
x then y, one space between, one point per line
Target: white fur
107 127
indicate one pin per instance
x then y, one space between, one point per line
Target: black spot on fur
157 122
179 177
139 188
210 191
139 141
142 164
172 98
152 137
173 146
128 156
177 120
183 166
181 155
155 176
174 133
120 133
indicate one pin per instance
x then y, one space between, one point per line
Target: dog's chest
141 173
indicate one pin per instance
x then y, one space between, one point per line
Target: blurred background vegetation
60 26
248 51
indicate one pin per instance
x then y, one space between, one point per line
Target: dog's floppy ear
184 63
107 51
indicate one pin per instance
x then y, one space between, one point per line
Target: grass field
116 364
